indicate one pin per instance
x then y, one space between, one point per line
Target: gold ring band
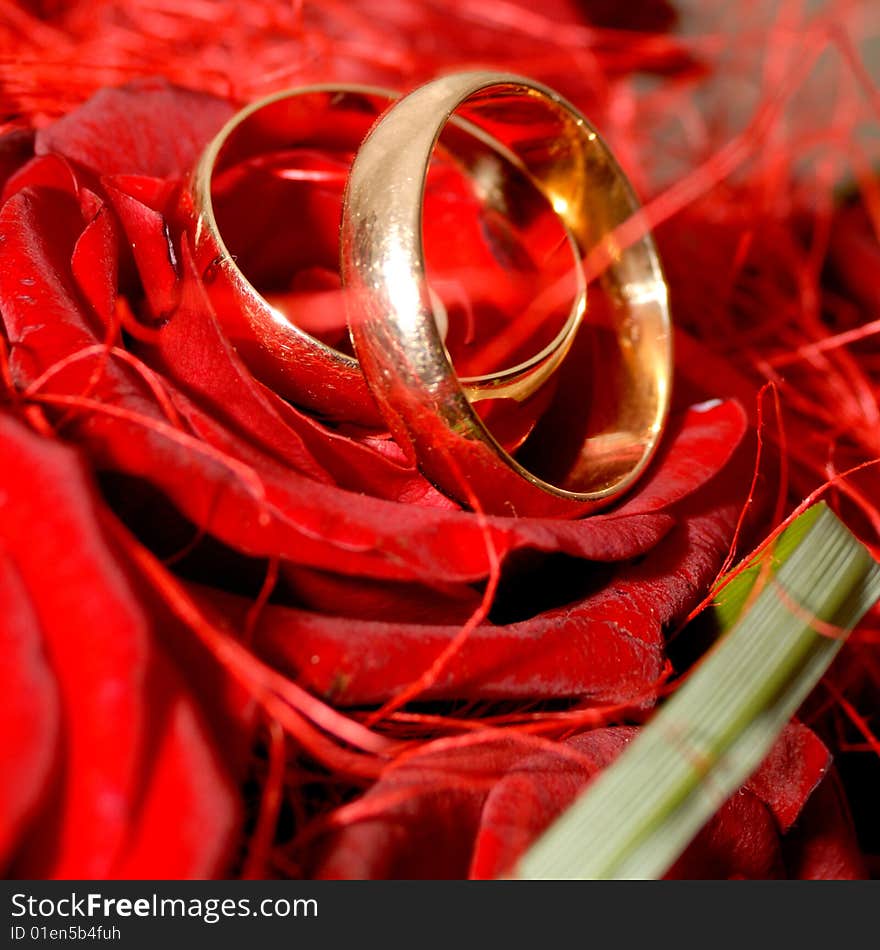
288 359
401 353
294 363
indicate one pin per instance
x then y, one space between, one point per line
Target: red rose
188 561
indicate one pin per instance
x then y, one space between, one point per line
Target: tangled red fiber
242 642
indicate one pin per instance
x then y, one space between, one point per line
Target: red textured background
204 612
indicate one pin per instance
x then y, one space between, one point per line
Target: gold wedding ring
294 363
611 404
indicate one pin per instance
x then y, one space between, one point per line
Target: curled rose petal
152 248
47 171
794 767
94 264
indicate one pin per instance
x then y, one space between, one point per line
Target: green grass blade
638 817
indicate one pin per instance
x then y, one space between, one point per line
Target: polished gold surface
620 406
286 357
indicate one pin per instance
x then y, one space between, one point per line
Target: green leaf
734 595
635 820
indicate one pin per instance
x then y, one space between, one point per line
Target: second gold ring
611 402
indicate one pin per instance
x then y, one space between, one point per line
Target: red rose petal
153 251
49 171
114 686
787 777
95 264
362 598
158 194
29 720
683 464
186 825
822 846
146 127
740 841
533 793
